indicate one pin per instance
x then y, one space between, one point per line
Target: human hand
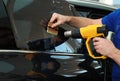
104 46
58 19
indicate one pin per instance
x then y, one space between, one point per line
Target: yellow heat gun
88 33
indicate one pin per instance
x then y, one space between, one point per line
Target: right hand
104 46
58 19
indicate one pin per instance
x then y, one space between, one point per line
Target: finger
53 18
98 47
96 39
95 43
98 51
56 24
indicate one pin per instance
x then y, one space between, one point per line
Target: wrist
68 19
114 53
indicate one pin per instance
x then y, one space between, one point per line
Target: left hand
104 46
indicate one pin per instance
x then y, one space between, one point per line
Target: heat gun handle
90 51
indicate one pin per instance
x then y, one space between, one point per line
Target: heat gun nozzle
74 33
67 33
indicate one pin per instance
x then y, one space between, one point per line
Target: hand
58 19
104 46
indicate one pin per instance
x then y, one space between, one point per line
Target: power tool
88 33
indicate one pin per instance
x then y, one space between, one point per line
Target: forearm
82 21
115 56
